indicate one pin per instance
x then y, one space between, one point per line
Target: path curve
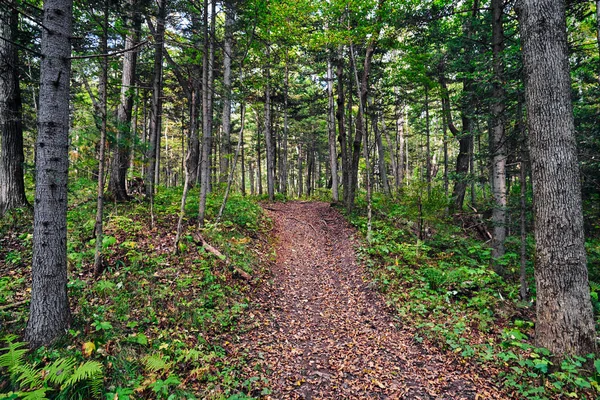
321 332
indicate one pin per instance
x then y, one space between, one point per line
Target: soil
320 330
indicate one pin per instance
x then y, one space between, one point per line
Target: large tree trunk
49 309
331 129
12 187
207 112
156 105
225 137
565 322
498 140
122 147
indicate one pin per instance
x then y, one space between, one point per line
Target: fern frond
155 363
39 394
28 376
12 355
90 371
60 371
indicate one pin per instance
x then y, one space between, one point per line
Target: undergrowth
443 287
153 325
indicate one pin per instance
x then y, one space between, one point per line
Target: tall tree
49 307
122 147
227 55
269 144
12 187
331 130
565 323
497 139
157 100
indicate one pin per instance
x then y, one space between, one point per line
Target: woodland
297 199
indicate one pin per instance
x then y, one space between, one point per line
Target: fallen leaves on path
318 330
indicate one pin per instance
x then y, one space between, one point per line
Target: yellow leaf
88 348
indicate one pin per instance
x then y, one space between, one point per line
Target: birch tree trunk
49 309
565 322
12 187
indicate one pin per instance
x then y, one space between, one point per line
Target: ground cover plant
152 324
443 287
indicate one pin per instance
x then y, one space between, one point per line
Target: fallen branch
14 305
214 251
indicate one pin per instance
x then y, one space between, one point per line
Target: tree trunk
498 140
12 187
342 137
565 322
227 49
284 155
120 152
49 309
103 94
331 129
207 74
380 150
362 89
427 142
400 143
156 105
391 146
268 134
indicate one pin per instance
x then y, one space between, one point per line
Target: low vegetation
153 325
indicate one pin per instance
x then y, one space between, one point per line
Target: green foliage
64 378
443 285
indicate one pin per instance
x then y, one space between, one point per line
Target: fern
28 376
13 353
155 363
59 371
90 371
39 394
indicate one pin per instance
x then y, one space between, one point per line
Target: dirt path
322 333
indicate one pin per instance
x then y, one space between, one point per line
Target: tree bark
156 104
12 186
103 93
565 323
120 152
342 137
498 140
331 129
49 308
207 75
227 52
268 134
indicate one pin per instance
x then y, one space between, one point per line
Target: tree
565 323
12 187
121 149
498 139
49 308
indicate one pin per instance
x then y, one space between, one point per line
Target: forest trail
320 332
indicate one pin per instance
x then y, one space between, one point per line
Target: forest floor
319 330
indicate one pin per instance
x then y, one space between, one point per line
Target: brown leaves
318 330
